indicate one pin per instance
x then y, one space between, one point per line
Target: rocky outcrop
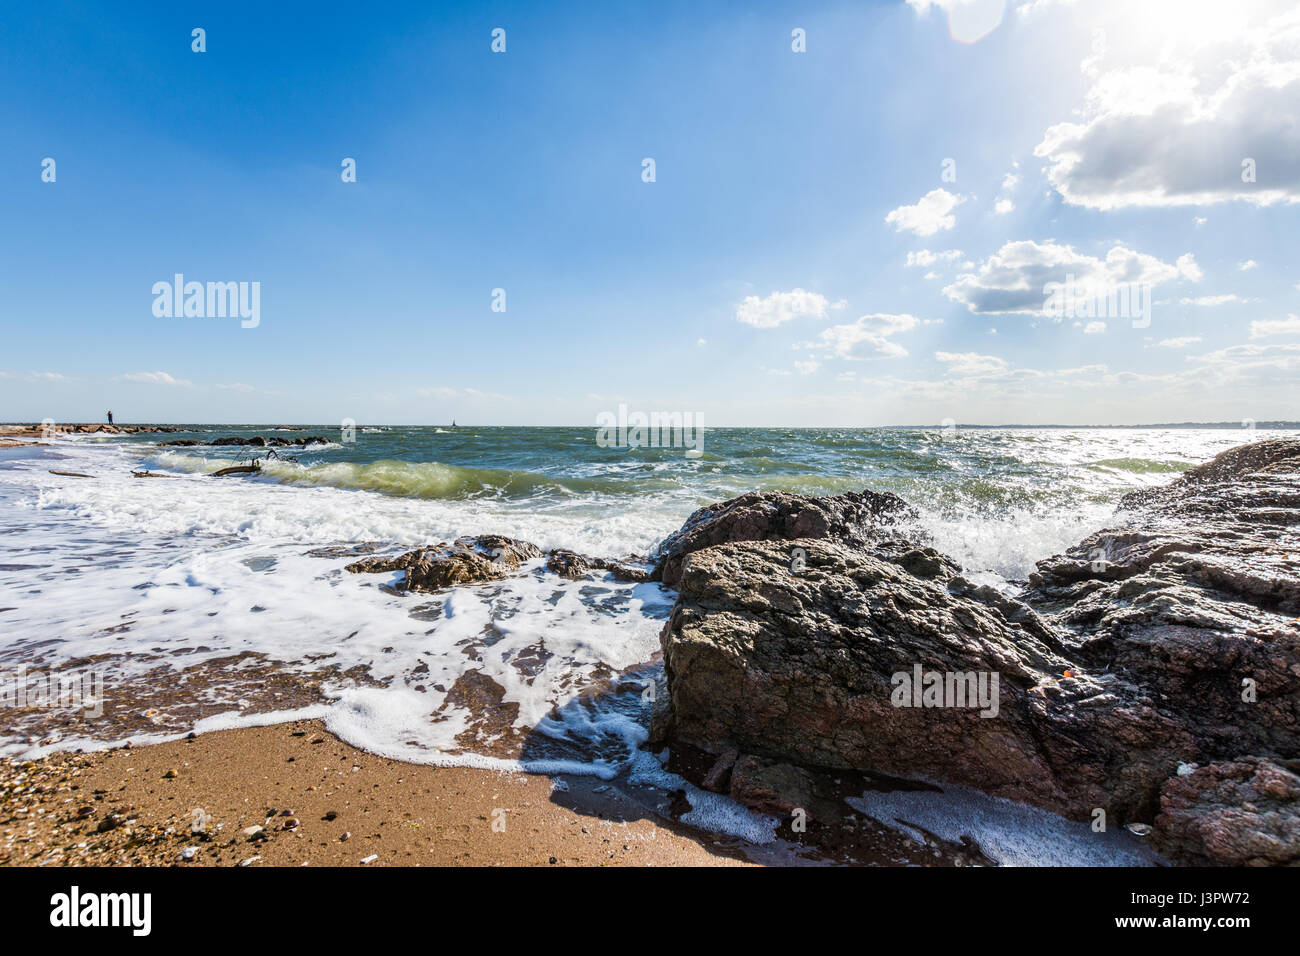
574 566
1241 813
468 560
851 518
1168 640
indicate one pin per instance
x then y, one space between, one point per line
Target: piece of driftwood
150 474
238 470
70 474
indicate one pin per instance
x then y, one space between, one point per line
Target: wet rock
570 564
1154 648
1239 813
776 515
468 560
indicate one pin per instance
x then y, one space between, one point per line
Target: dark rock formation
1168 640
776 515
469 560
570 564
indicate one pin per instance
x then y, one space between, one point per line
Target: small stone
170 775
330 815
255 833
188 853
111 821
370 859
345 837
250 861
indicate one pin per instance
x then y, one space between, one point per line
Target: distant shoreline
26 429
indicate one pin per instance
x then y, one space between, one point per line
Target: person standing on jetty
110 417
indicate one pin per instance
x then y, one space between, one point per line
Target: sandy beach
307 790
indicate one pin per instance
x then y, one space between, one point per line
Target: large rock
776 515
1193 596
1167 640
468 560
800 667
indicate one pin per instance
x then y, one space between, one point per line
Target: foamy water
200 602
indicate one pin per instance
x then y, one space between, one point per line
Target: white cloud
1009 182
1210 301
237 387
808 367
1288 326
924 257
867 337
700 343
1094 328
932 213
1179 343
782 307
1003 206
1180 129
157 378
1247 265
1013 278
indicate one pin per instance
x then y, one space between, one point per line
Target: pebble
187 854
250 861
345 837
370 859
170 775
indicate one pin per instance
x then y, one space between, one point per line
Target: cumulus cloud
1094 328
1247 265
780 307
1178 343
157 378
1014 277
867 337
932 213
1209 301
1288 326
1219 121
1003 206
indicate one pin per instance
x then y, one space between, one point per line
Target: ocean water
207 602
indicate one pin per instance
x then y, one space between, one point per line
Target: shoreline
403 814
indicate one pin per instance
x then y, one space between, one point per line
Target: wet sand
144 799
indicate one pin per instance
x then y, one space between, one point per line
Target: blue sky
762 278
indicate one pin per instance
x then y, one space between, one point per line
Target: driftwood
238 470
70 474
150 474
